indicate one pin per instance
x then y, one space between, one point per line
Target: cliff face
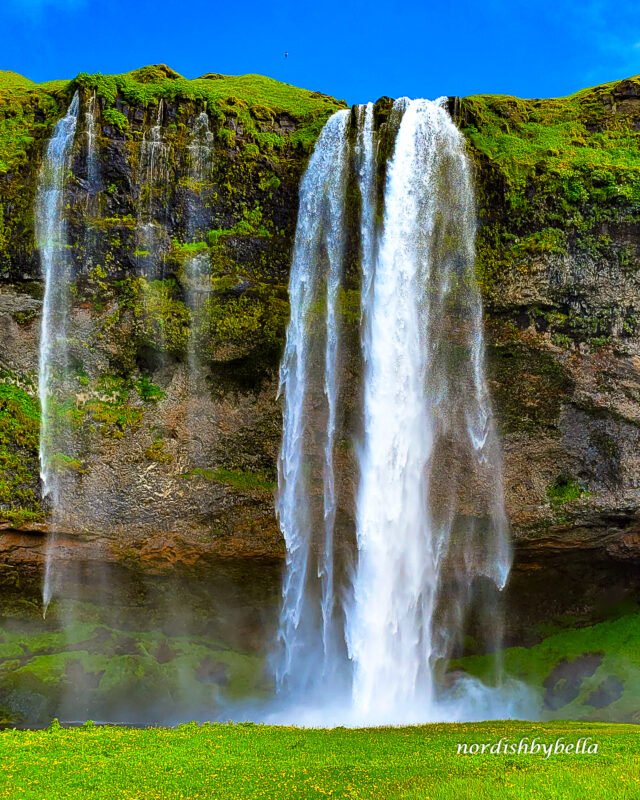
150 365
558 256
170 463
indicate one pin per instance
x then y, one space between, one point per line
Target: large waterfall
51 233
431 542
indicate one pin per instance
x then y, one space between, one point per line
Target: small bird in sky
286 55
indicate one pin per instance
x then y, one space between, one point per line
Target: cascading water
306 369
90 128
430 526
51 234
197 271
152 241
430 461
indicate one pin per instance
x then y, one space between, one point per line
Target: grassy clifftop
552 174
593 129
28 109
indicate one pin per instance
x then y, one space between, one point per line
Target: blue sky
348 48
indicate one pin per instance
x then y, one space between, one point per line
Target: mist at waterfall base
388 574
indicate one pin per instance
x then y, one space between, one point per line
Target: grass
9 79
256 761
551 174
567 135
19 100
254 99
239 479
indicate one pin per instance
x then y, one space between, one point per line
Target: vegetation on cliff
254 100
559 199
27 108
587 673
19 432
558 178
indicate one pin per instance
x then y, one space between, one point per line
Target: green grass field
258 761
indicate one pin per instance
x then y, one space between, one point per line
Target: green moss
19 441
349 305
614 641
148 390
519 135
564 490
239 479
548 240
189 247
20 104
116 118
20 517
252 99
249 225
110 407
157 451
107 223
178 672
25 317
60 462
165 317
551 173
245 323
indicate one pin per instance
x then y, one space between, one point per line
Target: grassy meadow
214 761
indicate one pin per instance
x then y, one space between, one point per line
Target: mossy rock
590 673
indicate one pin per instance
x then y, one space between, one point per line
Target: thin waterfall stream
309 574
197 268
51 235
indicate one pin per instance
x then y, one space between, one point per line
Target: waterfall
51 235
430 527
152 240
428 429
305 371
197 271
90 127
366 167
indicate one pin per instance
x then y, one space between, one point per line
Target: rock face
170 405
169 465
558 253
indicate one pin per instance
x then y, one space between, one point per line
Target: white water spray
51 235
152 240
90 129
308 587
425 405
